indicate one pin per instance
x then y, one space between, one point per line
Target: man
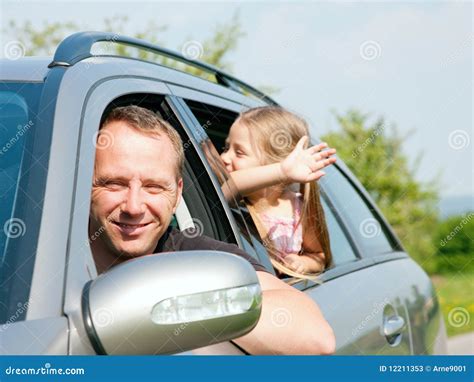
136 189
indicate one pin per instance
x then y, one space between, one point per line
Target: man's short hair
148 122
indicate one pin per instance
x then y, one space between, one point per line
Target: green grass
456 296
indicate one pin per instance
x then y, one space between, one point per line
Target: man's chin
127 251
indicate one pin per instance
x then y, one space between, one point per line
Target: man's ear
179 193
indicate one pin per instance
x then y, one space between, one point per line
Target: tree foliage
374 153
42 41
454 239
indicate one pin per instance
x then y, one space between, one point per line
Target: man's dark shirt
174 241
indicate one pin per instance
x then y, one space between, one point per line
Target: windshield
18 125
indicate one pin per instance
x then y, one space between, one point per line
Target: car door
388 298
199 206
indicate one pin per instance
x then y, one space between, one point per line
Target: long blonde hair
275 133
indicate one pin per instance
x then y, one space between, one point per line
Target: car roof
25 69
36 69
78 48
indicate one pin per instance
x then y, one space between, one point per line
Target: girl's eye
225 148
240 153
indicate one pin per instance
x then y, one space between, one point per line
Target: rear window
18 119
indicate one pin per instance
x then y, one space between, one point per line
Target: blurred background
389 84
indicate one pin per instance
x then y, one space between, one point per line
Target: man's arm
290 323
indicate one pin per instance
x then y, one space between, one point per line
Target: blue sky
410 62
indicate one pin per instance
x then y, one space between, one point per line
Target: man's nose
133 204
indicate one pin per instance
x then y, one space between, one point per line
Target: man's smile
134 229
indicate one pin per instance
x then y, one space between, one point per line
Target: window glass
216 122
366 229
341 249
21 171
15 121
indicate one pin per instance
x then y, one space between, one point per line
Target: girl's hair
275 133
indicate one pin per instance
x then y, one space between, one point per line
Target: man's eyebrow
104 179
155 180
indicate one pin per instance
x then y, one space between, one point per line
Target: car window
365 227
215 122
199 191
341 249
221 120
21 170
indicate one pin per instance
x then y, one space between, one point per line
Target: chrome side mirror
171 302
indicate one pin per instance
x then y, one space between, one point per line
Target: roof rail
77 47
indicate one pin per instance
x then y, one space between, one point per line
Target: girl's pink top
285 232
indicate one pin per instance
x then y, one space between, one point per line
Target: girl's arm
301 166
307 262
312 258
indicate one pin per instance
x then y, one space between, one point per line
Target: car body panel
47 336
26 69
355 306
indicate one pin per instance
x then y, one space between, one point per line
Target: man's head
137 184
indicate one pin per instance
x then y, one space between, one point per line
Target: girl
265 152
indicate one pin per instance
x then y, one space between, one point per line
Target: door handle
393 327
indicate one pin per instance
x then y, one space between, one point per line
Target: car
374 296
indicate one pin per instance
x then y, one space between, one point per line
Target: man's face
135 191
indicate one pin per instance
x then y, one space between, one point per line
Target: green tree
214 50
40 41
454 239
373 152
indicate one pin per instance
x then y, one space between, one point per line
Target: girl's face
239 153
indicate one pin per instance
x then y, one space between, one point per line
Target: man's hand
290 323
305 165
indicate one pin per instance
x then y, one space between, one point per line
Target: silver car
375 297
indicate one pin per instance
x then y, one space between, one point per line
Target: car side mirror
171 302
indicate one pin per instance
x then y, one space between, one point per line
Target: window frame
360 260
359 190
248 241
